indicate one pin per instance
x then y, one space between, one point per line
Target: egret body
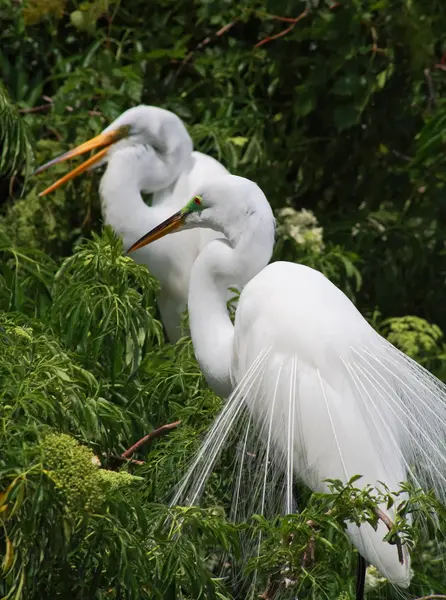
148 149
328 396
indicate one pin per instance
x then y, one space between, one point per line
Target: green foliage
112 297
25 278
414 336
75 472
74 469
339 117
15 137
41 385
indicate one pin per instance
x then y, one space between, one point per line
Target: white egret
327 394
148 149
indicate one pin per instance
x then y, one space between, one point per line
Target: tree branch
293 20
149 437
35 109
132 461
204 43
276 581
274 584
430 87
388 523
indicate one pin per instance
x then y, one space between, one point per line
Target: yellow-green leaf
239 141
9 556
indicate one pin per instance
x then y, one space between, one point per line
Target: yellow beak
103 140
170 225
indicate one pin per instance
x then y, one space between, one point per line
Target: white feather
317 393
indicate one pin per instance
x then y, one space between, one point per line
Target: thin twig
276 580
272 587
42 107
400 155
294 22
204 43
35 109
132 461
309 558
282 19
219 33
110 19
430 87
11 185
56 134
309 555
388 523
375 48
149 437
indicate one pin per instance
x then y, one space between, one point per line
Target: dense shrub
338 111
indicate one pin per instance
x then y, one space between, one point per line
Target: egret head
138 126
230 204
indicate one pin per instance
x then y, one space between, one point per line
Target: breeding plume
148 149
327 395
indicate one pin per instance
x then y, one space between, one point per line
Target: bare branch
375 47
309 555
276 580
132 461
274 584
430 87
149 437
204 43
293 21
35 109
388 523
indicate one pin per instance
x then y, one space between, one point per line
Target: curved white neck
133 169
151 161
219 266
120 190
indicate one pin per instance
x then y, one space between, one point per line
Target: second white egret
148 149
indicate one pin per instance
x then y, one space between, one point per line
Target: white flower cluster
302 227
373 578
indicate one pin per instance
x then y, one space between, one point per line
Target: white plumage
328 397
320 420
148 149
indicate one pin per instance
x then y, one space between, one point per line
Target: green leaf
345 117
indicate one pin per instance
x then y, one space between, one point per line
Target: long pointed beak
173 223
103 140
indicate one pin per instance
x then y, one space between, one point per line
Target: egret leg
360 577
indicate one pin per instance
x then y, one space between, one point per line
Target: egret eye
196 204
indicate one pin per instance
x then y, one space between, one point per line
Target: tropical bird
148 149
328 396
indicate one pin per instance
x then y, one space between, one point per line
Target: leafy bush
337 110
